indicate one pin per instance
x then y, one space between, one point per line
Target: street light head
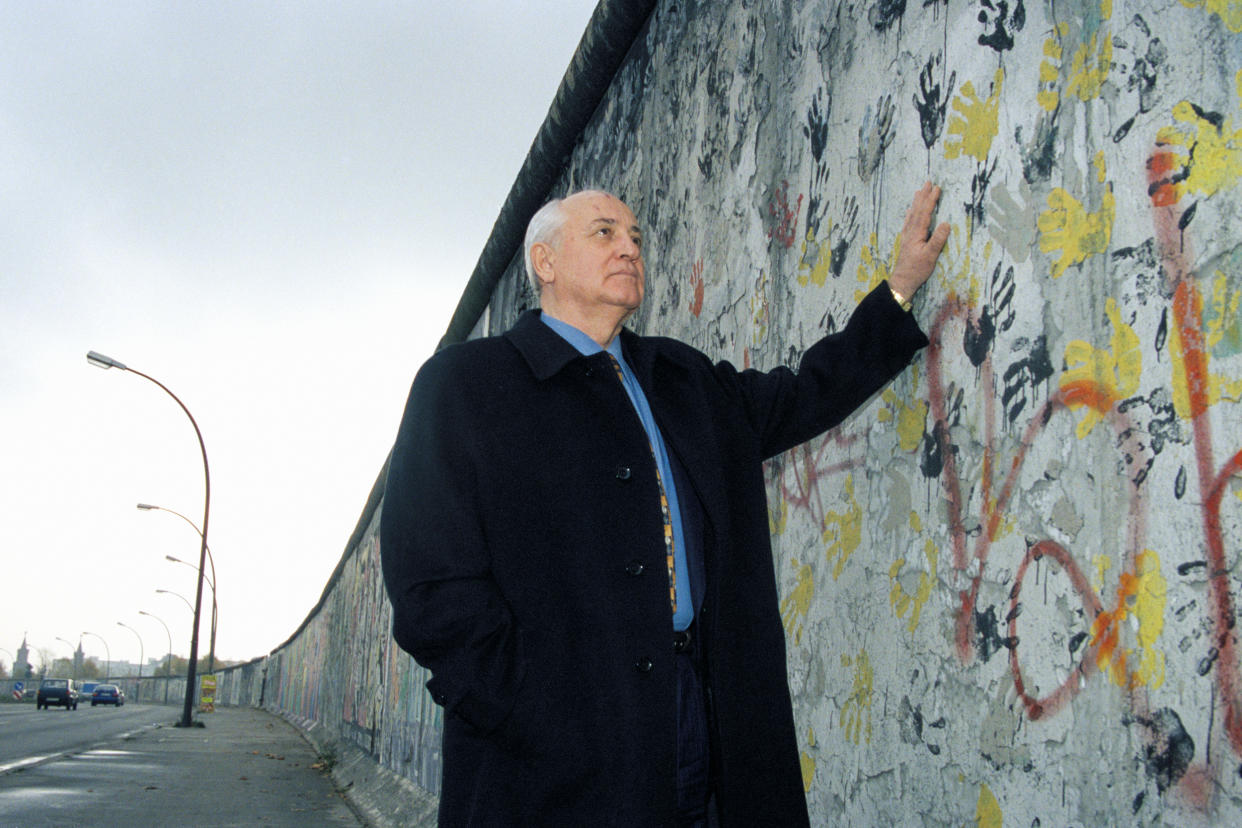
174 560
100 361
147 507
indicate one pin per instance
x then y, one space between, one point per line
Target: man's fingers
918 219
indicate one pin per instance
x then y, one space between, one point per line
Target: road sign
18 687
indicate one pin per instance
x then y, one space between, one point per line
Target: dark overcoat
522 549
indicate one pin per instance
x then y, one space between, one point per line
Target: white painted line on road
30 761
25 763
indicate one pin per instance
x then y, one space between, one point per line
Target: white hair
545 227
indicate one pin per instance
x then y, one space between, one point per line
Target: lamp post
211 653
105 362
74 653
141 657
179 595
167 672
215 611
107 651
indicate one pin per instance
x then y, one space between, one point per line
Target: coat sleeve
447 610
835 376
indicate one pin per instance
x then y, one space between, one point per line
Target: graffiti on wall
1019 555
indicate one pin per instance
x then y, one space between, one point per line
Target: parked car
57 691
107 694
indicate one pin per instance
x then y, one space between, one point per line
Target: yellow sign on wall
207 694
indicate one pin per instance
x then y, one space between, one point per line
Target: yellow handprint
975 123
856 712
1068 227
797 604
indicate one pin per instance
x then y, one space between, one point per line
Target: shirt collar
581 341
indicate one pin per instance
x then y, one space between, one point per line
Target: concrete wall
1009 581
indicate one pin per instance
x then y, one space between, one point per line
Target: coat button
623 473
644 665
634 568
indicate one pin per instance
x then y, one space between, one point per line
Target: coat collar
546 352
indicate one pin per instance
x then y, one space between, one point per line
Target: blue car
107 694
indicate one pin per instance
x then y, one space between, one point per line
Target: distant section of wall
1009 583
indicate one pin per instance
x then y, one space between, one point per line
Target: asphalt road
28 735
132 766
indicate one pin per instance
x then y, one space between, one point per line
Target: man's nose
630 250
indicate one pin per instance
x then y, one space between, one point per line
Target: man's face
596 261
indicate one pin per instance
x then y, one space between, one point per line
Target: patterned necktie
664 510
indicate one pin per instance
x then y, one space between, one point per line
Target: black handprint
934 101
842 235
978 192
817 124
815 199
1005 25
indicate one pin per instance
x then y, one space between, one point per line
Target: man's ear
541 256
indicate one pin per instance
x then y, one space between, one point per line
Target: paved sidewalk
245 767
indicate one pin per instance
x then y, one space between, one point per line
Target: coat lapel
683 419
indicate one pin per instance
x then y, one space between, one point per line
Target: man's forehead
600 207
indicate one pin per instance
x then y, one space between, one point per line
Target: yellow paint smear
1142 594
987 809
1229 11
1096 379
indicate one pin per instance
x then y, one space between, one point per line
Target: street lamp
215 610
141 657
107 651
74 652
179 595
168 671
105 362
211 655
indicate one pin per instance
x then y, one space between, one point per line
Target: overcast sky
270 207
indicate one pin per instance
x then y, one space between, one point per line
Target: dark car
59 692
107 694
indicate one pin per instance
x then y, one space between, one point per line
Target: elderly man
575 541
